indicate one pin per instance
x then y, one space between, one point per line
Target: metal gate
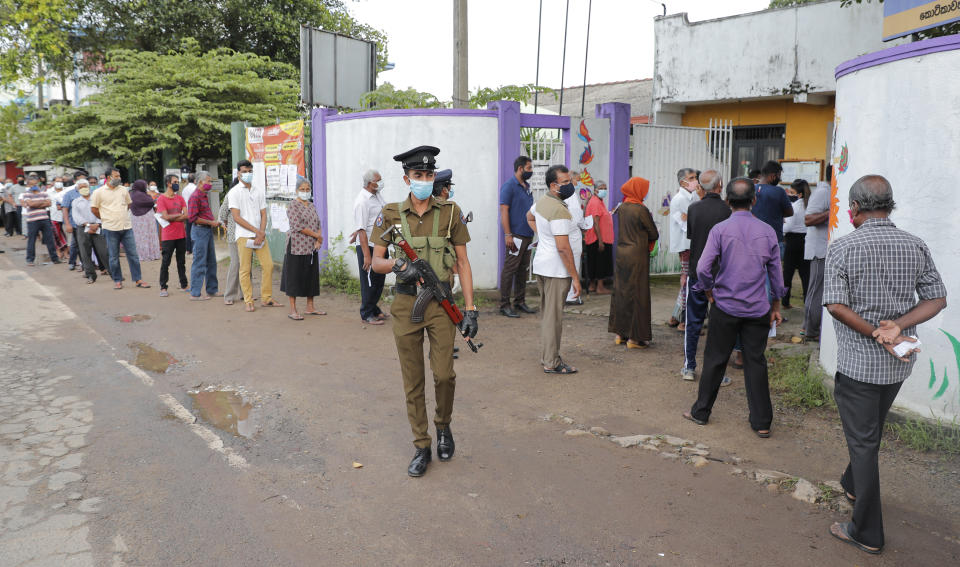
659 152
545 147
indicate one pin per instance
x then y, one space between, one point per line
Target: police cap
443 177
421 158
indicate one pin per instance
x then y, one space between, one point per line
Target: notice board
277 154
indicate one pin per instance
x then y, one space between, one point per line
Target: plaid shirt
878 271
199 206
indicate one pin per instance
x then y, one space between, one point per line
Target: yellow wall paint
806 124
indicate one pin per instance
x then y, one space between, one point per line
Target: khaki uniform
439 328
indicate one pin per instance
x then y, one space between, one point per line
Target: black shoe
576 301
56 261
509 312
418 465
445 445
456 349
525 308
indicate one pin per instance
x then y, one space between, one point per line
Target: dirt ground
324 396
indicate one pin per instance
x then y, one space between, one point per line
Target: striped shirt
878 271
35 213
199 207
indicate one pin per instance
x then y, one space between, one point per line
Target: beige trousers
553 292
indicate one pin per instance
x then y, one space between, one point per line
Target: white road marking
143 376
212 439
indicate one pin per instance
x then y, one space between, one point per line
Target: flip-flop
618 340
562 368
143 284
228 302
199 298
640 344
762 433
271 303
295 317
314 312
118 285
689 417
842 532
249 308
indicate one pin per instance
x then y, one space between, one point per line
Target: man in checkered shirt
872 282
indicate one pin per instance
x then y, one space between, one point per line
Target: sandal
762 433
271 303
689 417
228 302
295 317
618 340
841 531
143 284
250 308
314 312
637 344
562 368
199 298
118 285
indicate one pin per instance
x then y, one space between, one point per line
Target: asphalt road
103 463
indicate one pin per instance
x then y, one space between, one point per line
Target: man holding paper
171 214
516 198
248 204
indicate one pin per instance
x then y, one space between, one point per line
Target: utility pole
461 93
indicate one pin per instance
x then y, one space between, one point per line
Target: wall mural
938 392
586 156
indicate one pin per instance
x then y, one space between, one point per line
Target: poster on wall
590 152
277 156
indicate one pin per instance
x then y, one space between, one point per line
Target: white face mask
304 195
58 185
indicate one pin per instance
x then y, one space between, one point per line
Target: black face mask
565 191
174 187
526 175
793 198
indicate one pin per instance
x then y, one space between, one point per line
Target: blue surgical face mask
450 194
421 189
246 177
602 193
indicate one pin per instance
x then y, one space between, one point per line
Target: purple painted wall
619 115
508 131
905 51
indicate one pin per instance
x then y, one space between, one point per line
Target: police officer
443 185
437 231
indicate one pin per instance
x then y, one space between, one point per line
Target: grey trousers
232 284
553 293
813 307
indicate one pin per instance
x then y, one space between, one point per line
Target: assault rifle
430 288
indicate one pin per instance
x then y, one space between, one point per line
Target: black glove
410 275
469 326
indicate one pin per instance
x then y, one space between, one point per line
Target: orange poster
277 156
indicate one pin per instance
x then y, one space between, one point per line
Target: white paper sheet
259 176
516 242
164 223
273 179
250 244
278 218
292 178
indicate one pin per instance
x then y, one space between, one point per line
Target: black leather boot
445 445
421 459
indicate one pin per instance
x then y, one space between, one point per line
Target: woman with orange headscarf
636 237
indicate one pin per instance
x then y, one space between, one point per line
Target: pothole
149 358
228 410
138 318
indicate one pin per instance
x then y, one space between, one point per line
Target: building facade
770 72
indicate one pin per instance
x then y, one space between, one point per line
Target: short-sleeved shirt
795 224
302 215
34 213
878 271
771 202
553 219
679 205
519 199
113 204
69 196
172 206
815 244
226 217
198 206
596 208
452 223
56 197
249 201
366 209
702 216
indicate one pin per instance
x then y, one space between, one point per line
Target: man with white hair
679 240
366 209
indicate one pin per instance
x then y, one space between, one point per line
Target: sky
502 46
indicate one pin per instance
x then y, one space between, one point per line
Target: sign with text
904 17
277 156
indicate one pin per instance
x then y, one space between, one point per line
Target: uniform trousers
409 338
721 336
813 306
513 277
246 268
863 410
697 305
553 293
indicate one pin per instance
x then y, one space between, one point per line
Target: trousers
409 338
168 248
513 277
204 266
45 228
793 262
232 291
88 243
863 410
813 306
553 293
696 313
114 238
720 339
246 269
371 287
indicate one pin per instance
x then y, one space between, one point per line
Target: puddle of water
149 358
131 318
229 411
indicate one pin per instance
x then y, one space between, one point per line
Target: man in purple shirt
748 253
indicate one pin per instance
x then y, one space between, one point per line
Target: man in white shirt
185 193
248 205
366 209
580 223
679 243
817 220
553 264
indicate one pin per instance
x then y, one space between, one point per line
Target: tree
387 96
519 93
35 39
183 100
12 118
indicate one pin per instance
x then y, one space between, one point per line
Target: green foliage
798 385
263 27
519 93
12 136
35 38
925 436
387 96
334 270
182 99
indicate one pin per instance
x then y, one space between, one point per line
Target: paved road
102 463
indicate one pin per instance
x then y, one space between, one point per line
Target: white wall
468 146
760 54
902 120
